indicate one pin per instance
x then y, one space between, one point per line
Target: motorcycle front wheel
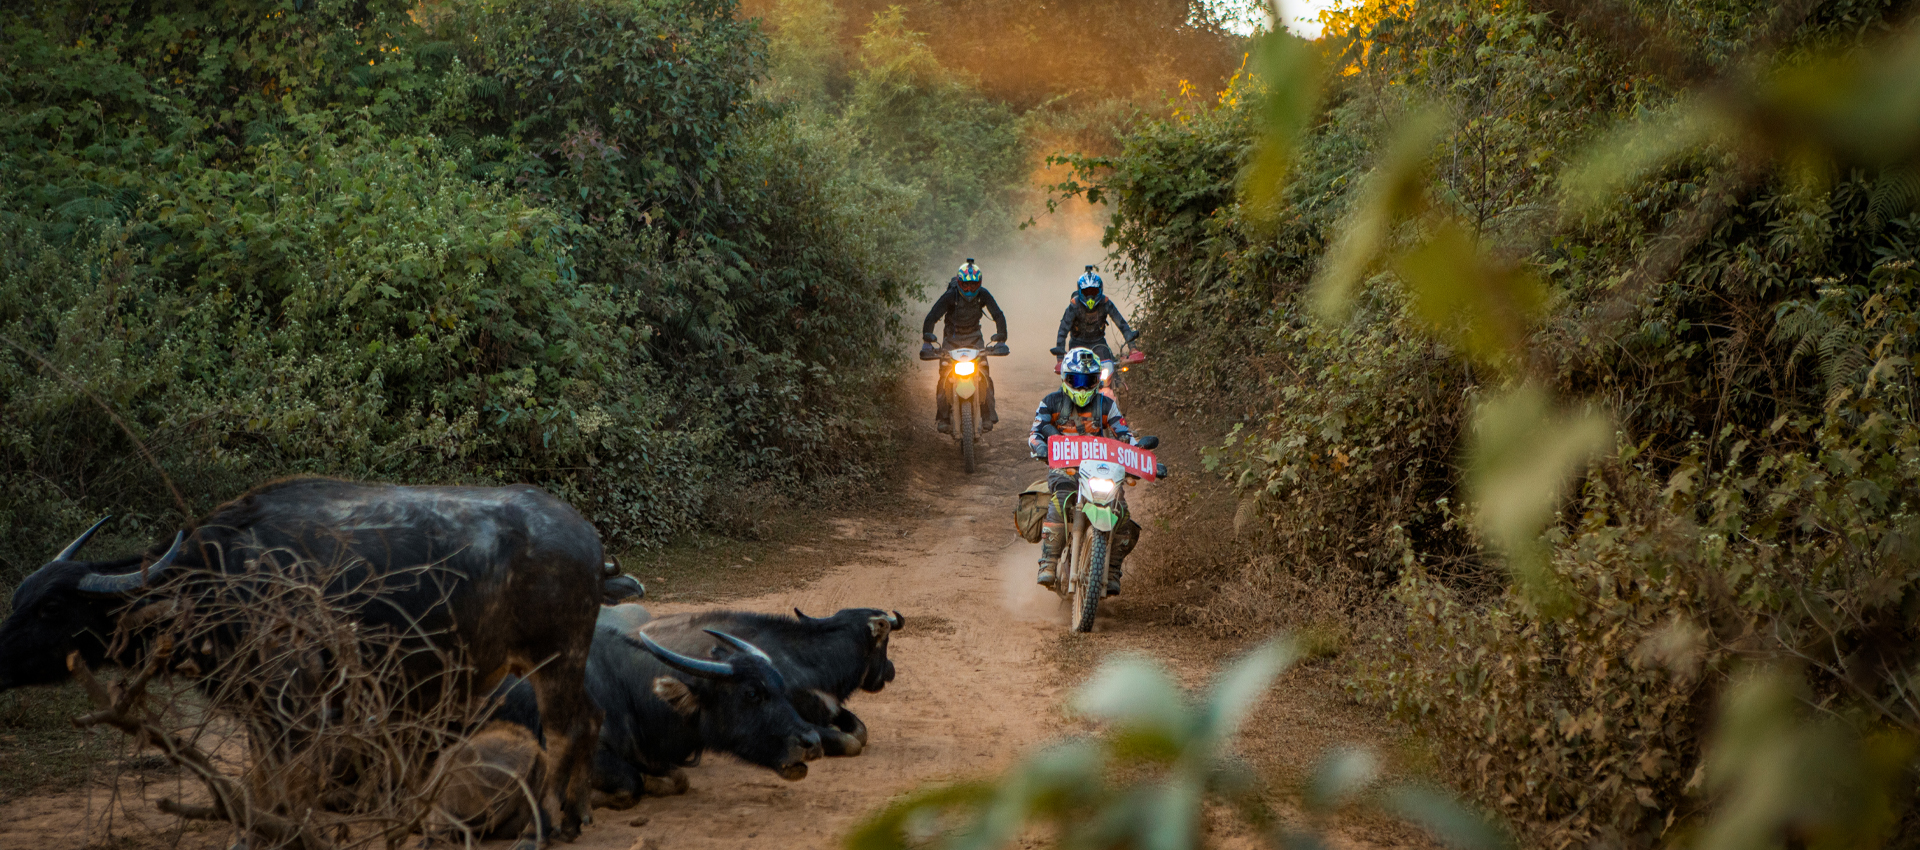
966 432
1090 580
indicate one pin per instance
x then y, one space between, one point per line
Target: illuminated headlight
1106 372
1101 490
963 368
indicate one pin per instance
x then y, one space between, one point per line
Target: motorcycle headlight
963 368
1106 372
1102 490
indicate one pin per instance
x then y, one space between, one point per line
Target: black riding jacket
1088 327
963 316
1059 415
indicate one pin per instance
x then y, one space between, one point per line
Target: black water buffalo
824 659
500 579
663 709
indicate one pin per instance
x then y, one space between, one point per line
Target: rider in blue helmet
961 306
1084 325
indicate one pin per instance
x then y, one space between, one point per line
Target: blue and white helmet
1088 288
968 273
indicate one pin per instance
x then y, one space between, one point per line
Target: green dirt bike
1096 510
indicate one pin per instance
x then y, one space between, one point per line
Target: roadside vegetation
1414 277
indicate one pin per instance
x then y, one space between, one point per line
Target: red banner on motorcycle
1064 450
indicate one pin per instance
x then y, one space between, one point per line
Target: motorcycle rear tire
966 433
1091 583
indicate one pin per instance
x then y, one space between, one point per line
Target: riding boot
1113 578
1052 538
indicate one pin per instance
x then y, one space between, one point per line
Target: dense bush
549 241
1748 334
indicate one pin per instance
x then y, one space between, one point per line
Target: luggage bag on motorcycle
1031 513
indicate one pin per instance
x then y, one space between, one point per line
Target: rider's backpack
1031 513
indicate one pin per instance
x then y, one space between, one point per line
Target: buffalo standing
500 579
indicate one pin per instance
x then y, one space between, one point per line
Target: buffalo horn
610 567
801 614
73 548
121 583
896 621
739 644
685 664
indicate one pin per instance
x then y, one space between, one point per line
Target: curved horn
739 644
801 614
896 621
685 664
74 547
123 583
610 567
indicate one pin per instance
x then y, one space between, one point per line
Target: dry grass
338 724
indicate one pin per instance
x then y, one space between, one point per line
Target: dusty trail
978 681
975 685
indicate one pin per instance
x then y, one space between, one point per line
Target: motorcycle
1096 511
963 390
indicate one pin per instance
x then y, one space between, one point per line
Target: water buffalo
498 580
489 778
824 659
663 709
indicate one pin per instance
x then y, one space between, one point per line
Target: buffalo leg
850 723
572 726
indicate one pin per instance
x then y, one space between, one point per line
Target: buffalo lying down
824 659
503 580
663 709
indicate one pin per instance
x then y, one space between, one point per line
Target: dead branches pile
354 728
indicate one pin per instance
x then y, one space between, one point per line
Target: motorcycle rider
1077 408
961 306
1084 325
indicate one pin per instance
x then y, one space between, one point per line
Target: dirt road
979 681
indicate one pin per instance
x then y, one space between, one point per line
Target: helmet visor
1082 380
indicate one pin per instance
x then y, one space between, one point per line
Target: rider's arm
1041 429
1116 421
940 308
1113 310
1066 323
993 309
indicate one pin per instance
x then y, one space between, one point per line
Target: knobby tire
1091 583
966 433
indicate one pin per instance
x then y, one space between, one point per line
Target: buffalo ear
879 626
676 695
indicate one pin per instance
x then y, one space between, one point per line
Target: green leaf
1454 825
1392 193
1134 692
1242 686
1521 454
1288 70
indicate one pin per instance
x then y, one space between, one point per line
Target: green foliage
553 241
1175 755
1725 280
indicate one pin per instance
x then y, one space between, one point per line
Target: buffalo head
69 605
739 703
879 627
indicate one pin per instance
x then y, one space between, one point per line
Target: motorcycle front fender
1103 517
963 388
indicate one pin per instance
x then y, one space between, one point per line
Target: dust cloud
1031 277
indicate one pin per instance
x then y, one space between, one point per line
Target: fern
1896 192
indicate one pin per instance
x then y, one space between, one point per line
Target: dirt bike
1096 509
1111 370
963 390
